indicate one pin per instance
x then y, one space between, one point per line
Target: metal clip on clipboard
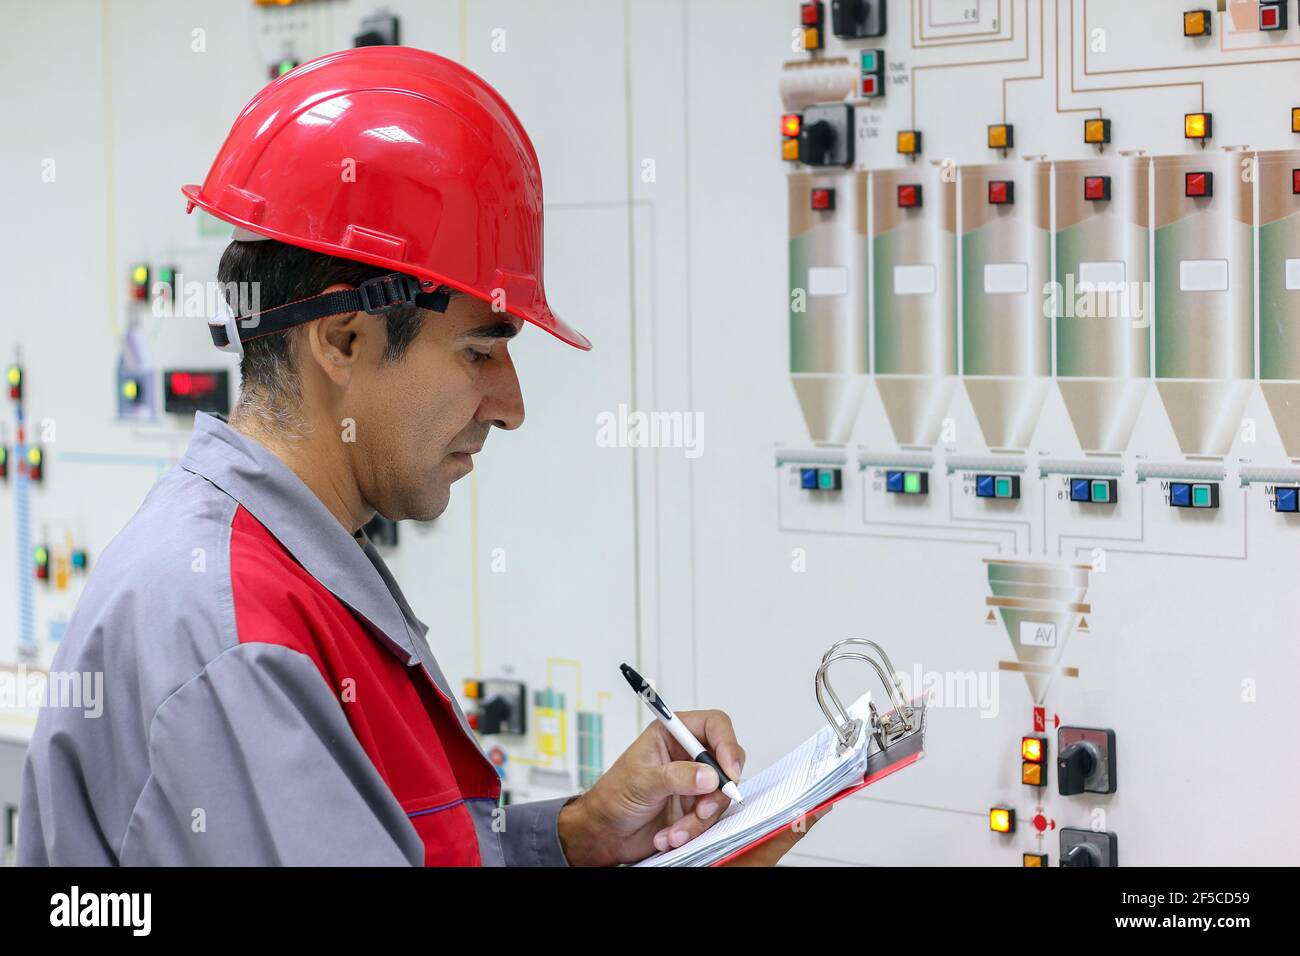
899 733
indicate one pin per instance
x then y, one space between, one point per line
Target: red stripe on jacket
407 727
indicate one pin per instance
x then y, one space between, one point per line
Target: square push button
1198 185
997 486
1103 491
907 482
808 478
1287 499
1096 188
828 479
1205 496
1080 490
1180 494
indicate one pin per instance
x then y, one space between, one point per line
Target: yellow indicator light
1096 131
1196 23
1197 125
471 689
790 149
14 375
1034 859
1000 136
42 556
1295 119
130 390
1002 820
33 456
909 142
140 275
1031 774
812 40
1031 748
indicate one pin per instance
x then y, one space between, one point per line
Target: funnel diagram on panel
1006 263
1102 297
1279 292
914 270
828 326
1040 606
1204 328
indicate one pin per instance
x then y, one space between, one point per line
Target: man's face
420 418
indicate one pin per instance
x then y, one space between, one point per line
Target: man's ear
336 342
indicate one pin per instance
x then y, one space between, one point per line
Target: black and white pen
681 733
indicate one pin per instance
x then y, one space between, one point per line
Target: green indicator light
42 556
1002 488
284 67
868 61
1101 491
912 483
1201 496
826 479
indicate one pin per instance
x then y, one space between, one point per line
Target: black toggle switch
1074 766
1081 854
816 140
826 135
854 19
1085 760
1088 848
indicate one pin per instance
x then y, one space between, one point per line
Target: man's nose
503 403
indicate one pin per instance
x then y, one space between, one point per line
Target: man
269 697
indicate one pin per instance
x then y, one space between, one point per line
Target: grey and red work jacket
268 697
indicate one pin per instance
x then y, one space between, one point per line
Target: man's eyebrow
493 330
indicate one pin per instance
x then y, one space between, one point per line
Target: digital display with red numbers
187 391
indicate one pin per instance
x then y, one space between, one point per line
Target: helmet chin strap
374 296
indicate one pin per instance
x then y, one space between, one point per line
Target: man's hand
655 797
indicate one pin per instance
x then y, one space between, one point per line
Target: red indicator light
1096 188
790 125
810 14
823 199
1199 185
909 196
1002 192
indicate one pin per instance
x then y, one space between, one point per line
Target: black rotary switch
816 140
1081 854
1073 767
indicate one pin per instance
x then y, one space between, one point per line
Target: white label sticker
828 280
1099 274
1003 278
914 280
1203 275
1037 634
1293 275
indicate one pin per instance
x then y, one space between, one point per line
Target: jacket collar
286 507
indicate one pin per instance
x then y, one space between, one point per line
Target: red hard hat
398 158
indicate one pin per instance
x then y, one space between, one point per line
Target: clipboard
898 735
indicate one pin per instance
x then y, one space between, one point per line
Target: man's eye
476 356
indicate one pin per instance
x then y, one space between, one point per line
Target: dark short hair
286 273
